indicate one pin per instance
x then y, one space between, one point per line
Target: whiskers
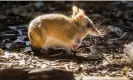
101 23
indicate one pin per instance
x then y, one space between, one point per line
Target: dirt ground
113 18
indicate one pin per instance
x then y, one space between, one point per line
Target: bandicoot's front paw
75 46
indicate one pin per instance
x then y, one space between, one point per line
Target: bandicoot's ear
81 11
75 11
81 14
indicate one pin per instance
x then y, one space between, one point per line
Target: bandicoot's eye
90 24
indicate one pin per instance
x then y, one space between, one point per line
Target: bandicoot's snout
92 29
96 31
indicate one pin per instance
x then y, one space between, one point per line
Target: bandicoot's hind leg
37 41
37 49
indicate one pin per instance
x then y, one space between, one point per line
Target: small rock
22 63
13 27
128 50
31 66
18 40
8 45
117 30
95 53
110 42
21 37
43 66
27 49
27 43
20 32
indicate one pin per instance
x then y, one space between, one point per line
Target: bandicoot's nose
94 31
98 33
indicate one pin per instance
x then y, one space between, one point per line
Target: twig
120 37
